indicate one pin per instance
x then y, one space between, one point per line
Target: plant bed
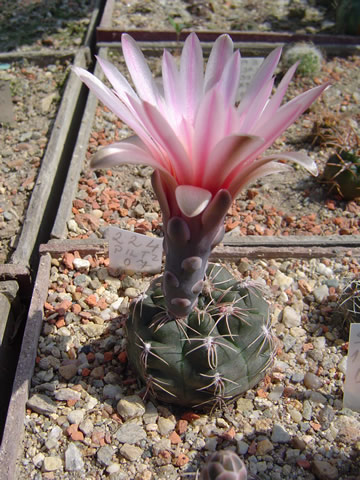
288 204
84 417
275 23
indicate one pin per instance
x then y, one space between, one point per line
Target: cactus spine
218 351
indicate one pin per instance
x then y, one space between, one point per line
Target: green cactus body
224 465
348 17
218 351
342 172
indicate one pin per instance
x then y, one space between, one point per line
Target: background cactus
224 465
348 17
220 350
342 173
309 57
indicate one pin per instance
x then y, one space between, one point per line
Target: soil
280 15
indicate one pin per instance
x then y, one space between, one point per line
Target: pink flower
191 131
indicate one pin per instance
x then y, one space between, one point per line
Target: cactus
342 172
224 465
218 351
349 302
197 337
308 56
348 17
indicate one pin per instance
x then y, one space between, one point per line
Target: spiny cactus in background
220 350
224 465
309 57
348 17
350 301
342 174
342 170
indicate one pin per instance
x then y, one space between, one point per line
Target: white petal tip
192 200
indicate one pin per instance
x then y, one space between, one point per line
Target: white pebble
81 264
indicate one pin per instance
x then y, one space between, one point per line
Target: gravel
36 93
278 15
95 423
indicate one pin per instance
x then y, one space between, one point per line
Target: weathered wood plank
14 426
59 229
268 247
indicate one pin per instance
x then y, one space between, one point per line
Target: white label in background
352 379
132 251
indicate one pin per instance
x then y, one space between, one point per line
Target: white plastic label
352 379
132 251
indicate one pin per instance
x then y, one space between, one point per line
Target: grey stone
165 426
51 464
73 458
93 329
86 427
65 394
279 434
275 394
42 404
130 433
312 381
307 410
131 452
104 455
324 470
297 377
289 341
112 391
326 416
290 317
242 447
130 407
69 371
321 293
282 280
162 444
76 416
317 397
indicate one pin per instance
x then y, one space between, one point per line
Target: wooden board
250 247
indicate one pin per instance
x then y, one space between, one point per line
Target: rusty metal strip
105 33
14 426
20 273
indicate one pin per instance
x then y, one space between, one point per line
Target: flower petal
286 115
298 157
260 79
139 70
171 83
117 80
192 200
209 124
220 54
275 101
229 81
166 138
226 156
112 102
268 167
192 76
128 151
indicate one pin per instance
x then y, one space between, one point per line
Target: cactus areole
204 147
